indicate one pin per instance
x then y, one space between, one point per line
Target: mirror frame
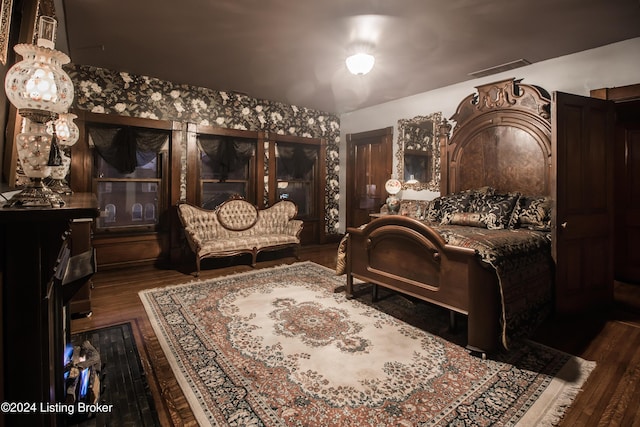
434 145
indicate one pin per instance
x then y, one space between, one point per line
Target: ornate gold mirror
418 152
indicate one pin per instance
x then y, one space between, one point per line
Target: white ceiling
293 51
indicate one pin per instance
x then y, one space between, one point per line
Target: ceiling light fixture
360 63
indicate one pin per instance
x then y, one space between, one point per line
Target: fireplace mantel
32 324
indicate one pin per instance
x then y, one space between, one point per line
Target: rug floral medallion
278 347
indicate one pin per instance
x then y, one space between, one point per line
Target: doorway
369 165
627 191
626 180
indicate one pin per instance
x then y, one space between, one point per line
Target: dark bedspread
524 266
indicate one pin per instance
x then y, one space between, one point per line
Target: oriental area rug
278 347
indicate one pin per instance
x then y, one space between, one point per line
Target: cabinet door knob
564 224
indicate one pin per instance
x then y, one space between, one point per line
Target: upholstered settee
237 226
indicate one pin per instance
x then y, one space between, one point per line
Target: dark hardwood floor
612 339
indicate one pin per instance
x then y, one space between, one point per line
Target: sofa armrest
200 225
193 239
294 227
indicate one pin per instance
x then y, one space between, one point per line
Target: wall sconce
41 91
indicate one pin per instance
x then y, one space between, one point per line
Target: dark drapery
295 161
227 154
126 148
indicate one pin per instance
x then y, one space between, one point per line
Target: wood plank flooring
609 398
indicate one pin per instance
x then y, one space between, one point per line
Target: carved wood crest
502 95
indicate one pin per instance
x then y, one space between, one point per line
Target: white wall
613 65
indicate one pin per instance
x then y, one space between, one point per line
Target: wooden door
369 163
582 143
627 188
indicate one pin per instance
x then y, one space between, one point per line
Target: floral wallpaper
111 92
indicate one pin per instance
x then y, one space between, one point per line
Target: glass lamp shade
360 63
38 86
33 148
67 132
393 186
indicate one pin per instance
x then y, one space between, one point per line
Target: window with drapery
225 168
296 175
128 174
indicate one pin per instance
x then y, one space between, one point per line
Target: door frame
620 95
384 136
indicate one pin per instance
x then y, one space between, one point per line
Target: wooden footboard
406 255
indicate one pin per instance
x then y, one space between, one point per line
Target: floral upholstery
237 226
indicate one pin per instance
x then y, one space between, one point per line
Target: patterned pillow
482 191
432 211
452 203
414 208
467 218
495 209
441 208
534 213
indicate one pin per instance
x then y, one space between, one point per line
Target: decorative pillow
453 203
486 190
432 211
459 202
467 218
495 209
423 206
440 209
534 213
413 208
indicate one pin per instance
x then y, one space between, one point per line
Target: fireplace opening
82 376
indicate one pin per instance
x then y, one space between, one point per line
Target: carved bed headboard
501 138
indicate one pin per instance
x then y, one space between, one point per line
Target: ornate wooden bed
502 139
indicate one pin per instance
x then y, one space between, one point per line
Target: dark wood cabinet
40 270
